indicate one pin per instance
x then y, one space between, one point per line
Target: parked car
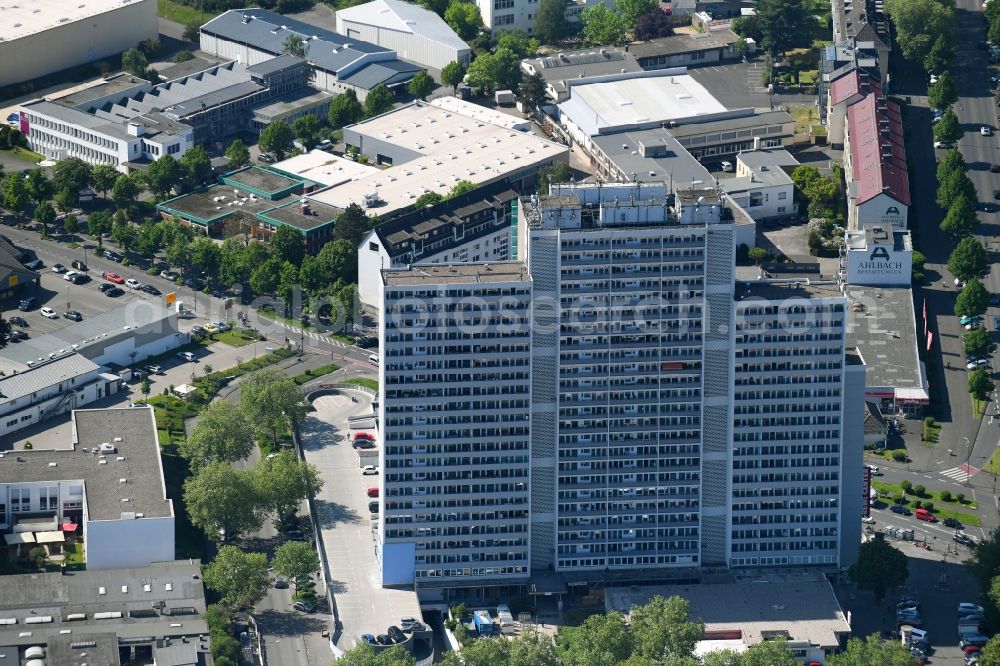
18 321
369 470
73 315
113 256
150 289
968 319
364 444
27 304
372 507
396 634
154 369
900 509
49 313
364 435
963 538
266 158
132 283
952 522
304 607
211 329
35 264
942 145
197 330
875 470
113 277
280 583
383 639
17 336
966 606
114 292
369 638
979 363
986 131
373 491
79 265
58 268
169 275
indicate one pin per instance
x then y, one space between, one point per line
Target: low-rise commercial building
143 614
415 33
108 484
559 68
686 50
338 63
46 36
763 186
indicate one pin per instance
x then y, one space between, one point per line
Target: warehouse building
45 36
338 63
559 68
416 34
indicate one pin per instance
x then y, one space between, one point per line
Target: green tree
498 70
240 578
346 297
339 259
285 482
288 245
288 282
951 162
464 18
15 194
71 175
352 224
872 651
532 92
98 224
919 23
365 655
427 199
961 219
103 177
985 561
182 56
125 191
528 649
345 109
192 31
276 139
758 255
555 173
879 568
223 501
205 255
379 100
518 42
940 56
420 85
294 45
454 72
460 188
662 628
46 215
991 653
295 560
656 23
126 235
977 343
944 93
197 165
947 130
264 276
785 24
603 25
272 402
162 175
980 383
773 652
71 225
134 62
237 153
952 185
602 640
178 253
222 434
550 22
631 10
39 187
968 259
307 130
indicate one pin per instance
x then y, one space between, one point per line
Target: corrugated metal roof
404 17
43 376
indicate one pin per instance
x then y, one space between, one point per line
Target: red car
113 277
373 492
364 435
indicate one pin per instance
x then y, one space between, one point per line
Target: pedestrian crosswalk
960 473
330 340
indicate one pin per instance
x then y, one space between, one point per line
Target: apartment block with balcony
455 416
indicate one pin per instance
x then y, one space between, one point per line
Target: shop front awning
18 538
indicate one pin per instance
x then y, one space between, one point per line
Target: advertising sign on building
879 265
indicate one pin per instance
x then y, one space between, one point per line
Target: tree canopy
872 651
944 93
237 153
785 24
464 18
947 130
379 100
222 433
345 109
550 21
980 383
919 24
453 73
497 70
294 45
295 560
972 300
968 259
961 219
879 568
223 501
653 24
284 481
276 139
603 25
977 343
240 578
274 401
420 85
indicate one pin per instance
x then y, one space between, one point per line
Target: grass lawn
24 154
979 406
806 115
73 553
178 13
993 466
931 431
170 415
313 374
236 338
942 509
362 381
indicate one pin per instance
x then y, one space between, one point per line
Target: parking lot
348 530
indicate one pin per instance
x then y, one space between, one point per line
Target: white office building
638 352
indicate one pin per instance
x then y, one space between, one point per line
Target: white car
978 363
943 145
934 79
868 520
58 268
50 313
69 275
966 607
985 131
369 470
875 470
132 283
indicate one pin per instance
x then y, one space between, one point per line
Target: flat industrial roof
324 168
43 376
130 597
202 204
882 325
137 460
22 19
292 213
453 146
481 113
502 271
261 179
802 605
634 100
664 160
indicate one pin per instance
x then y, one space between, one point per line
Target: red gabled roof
852 83
878 154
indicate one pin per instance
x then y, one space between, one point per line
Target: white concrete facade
500 15
57 35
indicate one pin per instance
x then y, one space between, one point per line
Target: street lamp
968 455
